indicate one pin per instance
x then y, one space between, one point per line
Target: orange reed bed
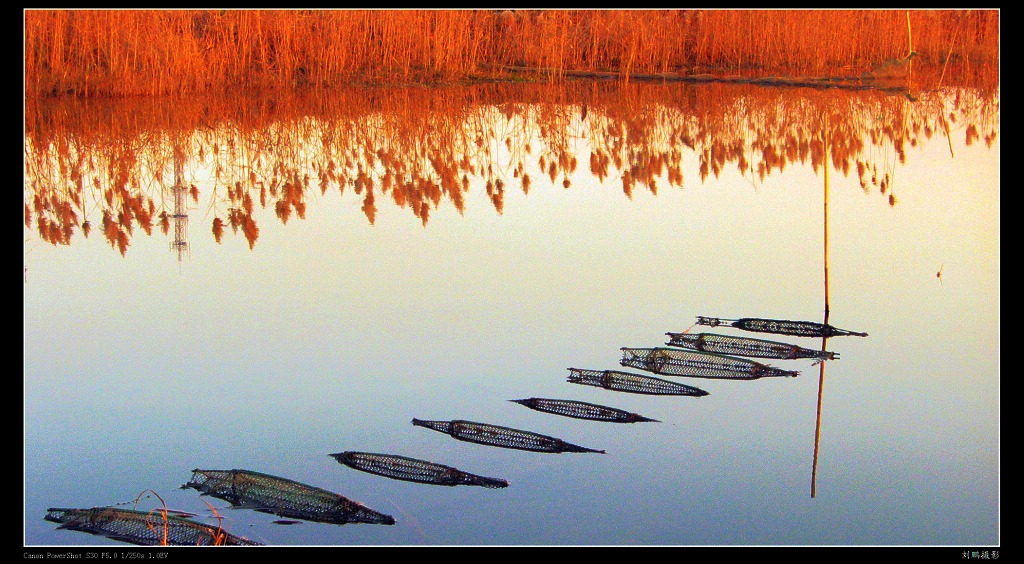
142 52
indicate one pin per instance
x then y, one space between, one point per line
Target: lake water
325 320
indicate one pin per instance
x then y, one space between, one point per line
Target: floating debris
582 410
779 326
413 470
505 437
744 346
178 513
633 383
677 362
283 497
145 528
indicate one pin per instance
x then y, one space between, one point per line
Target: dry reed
157 52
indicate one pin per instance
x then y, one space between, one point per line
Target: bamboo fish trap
675 362
413 470
780 327
283 497
144 528
582 410
505 437
619 381
744 346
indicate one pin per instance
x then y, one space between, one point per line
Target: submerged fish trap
144 528
413 470
675 362
619 381
582 410
780 327
283 497
505 437
744 346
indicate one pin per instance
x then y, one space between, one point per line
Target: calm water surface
334 323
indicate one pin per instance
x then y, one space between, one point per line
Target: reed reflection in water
422 273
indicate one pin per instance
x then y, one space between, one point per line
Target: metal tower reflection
180 216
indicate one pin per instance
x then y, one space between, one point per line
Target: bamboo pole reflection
824 340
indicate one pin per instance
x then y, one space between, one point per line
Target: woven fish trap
505 437
744 346
283 497
780 327
413 470
619 381
675 362
582 410
143 528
